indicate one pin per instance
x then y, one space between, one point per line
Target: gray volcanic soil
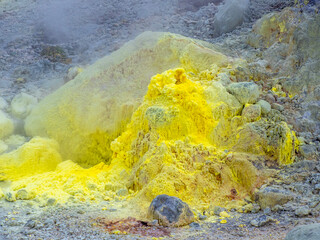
87 30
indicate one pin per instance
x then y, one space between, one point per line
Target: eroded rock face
170 211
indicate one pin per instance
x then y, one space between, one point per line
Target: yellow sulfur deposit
37 156
97 104
120 134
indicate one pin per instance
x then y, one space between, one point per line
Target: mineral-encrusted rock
308 151
9 196
305 232
302 211
277 106
265 107
6 125
251 113
22 104
170 211
245 92
23 194
270 196
261 221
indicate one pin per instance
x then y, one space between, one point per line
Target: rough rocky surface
170 211
304 232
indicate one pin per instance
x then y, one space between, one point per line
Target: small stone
277 208
23 194
217 210
302 211
80 211
304 232
49 222
248 208
277 106
267 211
270 98
122 192
51 201
30 223
308 151
265 107
224 214
153 223
317 186
170 211
245 92
251 112
202 217
9 196
261 221
195 225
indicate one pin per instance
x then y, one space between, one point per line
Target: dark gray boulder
305 232
170 211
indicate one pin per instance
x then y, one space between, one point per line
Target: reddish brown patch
132 226
233 194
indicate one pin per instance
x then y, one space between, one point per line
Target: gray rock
305 232
302 211
265 107
170 211
245 92
202 217
217 210
261 221
30 223
271 196
229 16
195 226
308 151
277 106
267 211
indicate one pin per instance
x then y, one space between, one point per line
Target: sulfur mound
177 139
181 134
95 107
